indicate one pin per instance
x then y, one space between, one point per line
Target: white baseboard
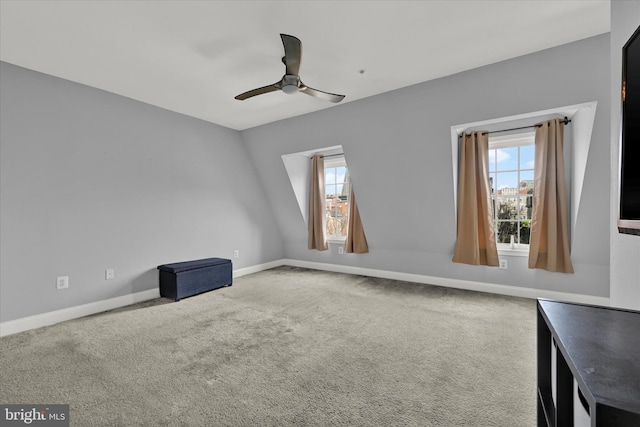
52 317
257 268
514 291
45 319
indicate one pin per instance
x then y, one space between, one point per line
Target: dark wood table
597 346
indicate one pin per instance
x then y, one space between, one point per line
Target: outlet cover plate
62 282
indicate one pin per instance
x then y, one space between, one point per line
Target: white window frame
329 163
515 140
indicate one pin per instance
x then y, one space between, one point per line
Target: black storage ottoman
184 279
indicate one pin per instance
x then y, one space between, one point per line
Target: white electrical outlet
109 274
62 282
340 249
504 264
236 253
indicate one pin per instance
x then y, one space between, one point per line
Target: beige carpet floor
288 347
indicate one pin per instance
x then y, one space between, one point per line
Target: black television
629 214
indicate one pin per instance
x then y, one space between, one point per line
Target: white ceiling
193 57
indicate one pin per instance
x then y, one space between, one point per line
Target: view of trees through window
336 180
511 179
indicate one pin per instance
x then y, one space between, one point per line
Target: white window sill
336 241
506 250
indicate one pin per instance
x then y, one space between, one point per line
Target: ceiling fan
290 82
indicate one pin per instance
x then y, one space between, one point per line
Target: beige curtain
356 241
317 236
549 243
476 242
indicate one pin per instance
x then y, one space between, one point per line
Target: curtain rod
566 121
328 155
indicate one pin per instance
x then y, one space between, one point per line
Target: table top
602 347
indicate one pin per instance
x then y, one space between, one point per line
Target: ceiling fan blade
331 97
259 91
292 54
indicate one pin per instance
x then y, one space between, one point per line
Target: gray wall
625 249
91 180
398 148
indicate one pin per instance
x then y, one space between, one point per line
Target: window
511 160
337 183
577 141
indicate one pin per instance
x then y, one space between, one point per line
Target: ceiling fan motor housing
290 84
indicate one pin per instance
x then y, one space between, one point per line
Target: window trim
520 251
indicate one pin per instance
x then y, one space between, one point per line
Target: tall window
511 160
336 180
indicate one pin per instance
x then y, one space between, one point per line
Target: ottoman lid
178 267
